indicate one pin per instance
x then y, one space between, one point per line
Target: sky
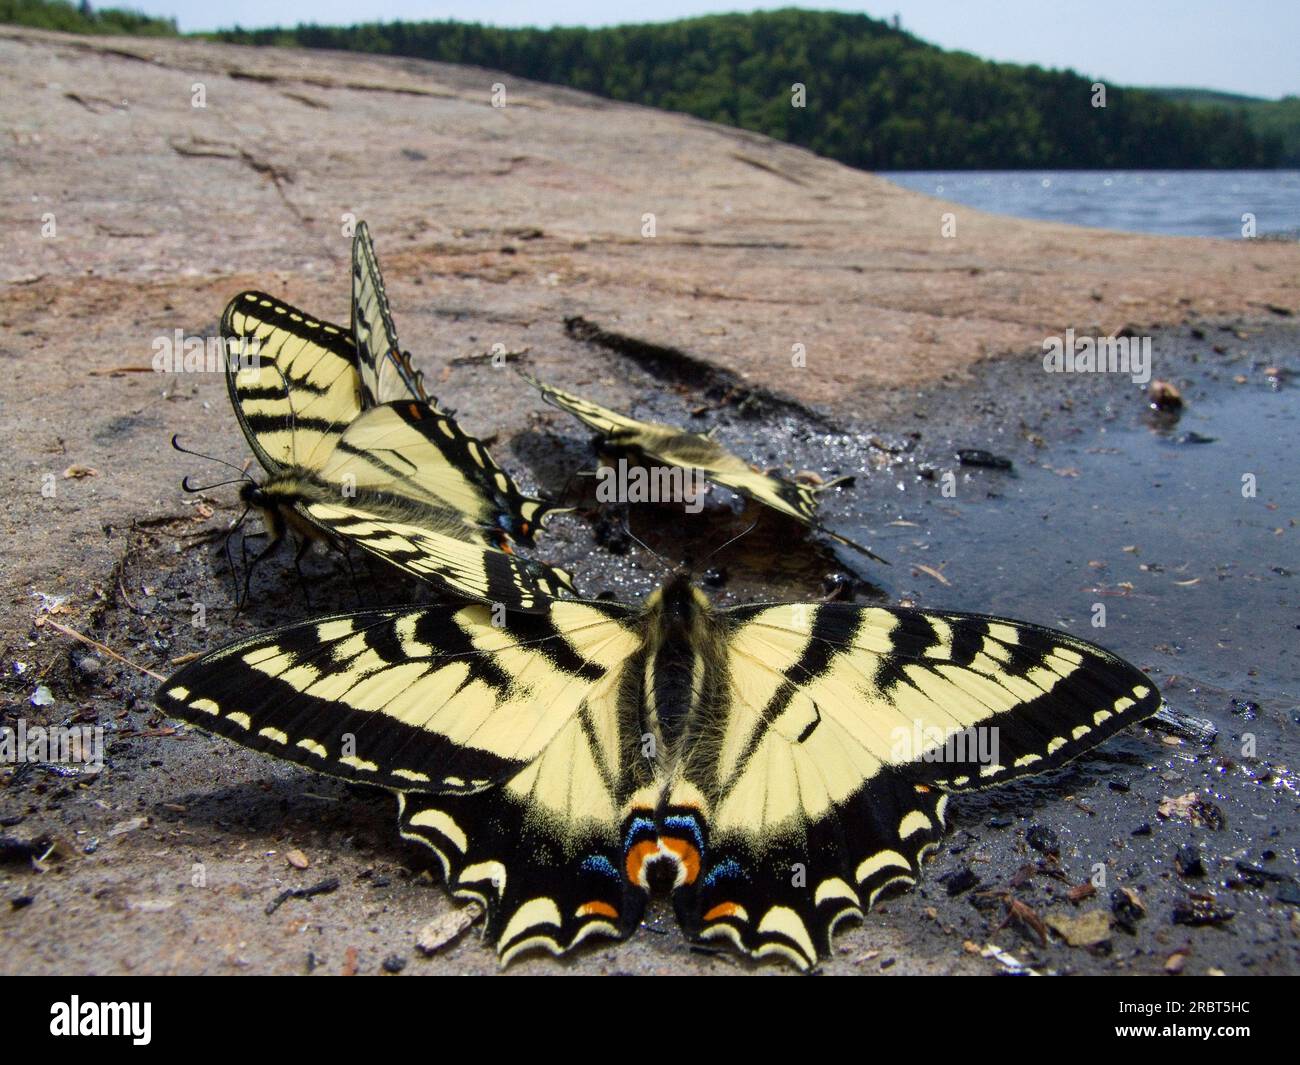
1248 46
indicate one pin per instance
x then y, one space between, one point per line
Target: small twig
41 622
323 888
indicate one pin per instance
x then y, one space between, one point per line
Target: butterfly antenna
723 546
176 443
627 528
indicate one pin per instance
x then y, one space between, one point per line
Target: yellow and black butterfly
654 442
396 476
775 767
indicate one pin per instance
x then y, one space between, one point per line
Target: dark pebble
962 880
888 963
1143 829
998 822
1208 813
1259 875
973 456
394 963
21 902
1198 912
1245 708
1118 785
1127 913
1043 840
1187 860
838 585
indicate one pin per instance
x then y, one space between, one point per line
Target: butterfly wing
515 746
825 776
386 370
421 452
433 543
298 390
670 446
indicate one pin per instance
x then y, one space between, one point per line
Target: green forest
873 96
58 15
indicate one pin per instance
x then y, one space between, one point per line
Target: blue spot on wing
687 824
725 870
638 826
598 863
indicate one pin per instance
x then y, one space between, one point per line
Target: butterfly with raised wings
354 457
775 767
655 442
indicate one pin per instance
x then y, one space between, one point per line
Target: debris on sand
325 887
974 456
446 928
1200 910
1164 396
1086 930
1191 807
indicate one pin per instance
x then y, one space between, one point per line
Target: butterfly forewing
386 371
300 391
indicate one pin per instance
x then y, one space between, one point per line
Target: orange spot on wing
722 909
638 856
597 908
686 854
416 412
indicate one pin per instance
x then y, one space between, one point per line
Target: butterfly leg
250 566
298 556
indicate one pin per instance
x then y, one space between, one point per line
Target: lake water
1192 203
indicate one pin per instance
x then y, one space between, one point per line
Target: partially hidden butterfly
656 443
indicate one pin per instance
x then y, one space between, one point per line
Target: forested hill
876 97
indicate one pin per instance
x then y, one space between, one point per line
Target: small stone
42 696
1043 840
394 963
962 880
1187 860
1164 396
1199 910
1126 904
1175 962
1086 930
297 859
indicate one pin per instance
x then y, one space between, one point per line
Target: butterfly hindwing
824 782
515 748
422 452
